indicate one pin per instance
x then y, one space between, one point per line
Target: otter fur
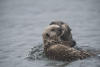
58 49
67 35
62 52
52 34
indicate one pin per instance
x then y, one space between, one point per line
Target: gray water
23 21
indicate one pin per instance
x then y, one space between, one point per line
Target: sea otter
67 35
57 49
53 33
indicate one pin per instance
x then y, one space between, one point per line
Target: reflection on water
23 21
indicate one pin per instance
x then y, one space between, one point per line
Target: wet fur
62 52
58 49
67 35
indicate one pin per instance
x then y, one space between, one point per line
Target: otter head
66 30
60 23
52 32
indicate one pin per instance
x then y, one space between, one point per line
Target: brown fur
51 36
67 35
66 30
51 33
62 52
58 49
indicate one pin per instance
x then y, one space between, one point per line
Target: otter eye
47 35
52 29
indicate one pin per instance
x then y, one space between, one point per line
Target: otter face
66 30
58 32
52 32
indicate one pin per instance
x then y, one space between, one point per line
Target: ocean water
23 21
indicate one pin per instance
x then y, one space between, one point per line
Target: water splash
36 53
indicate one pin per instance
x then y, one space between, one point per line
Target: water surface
23 21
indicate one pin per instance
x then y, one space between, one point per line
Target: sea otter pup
67 35
55 48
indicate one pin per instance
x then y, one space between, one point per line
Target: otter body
62 52
58 43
